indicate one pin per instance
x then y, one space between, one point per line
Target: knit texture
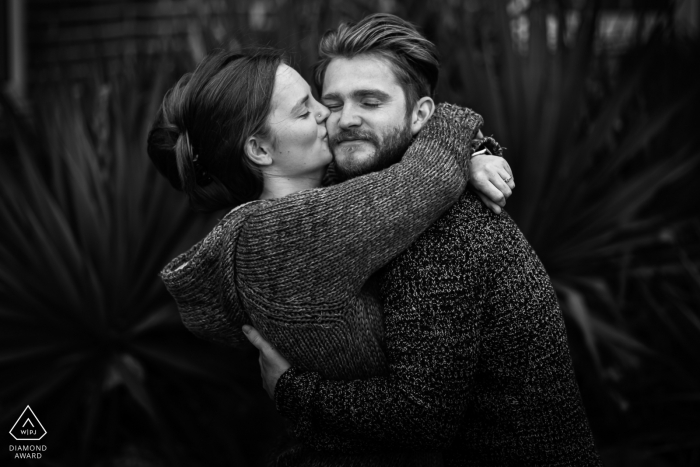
296 267
480 370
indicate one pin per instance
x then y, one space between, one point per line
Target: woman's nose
322 113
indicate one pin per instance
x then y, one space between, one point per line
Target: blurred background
596 101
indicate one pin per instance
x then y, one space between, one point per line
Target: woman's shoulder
242 211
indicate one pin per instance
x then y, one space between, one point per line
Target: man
480 371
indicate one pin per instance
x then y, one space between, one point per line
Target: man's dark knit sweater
480 371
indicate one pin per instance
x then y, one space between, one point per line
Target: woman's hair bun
161 150
164 135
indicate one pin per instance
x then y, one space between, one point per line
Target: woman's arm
335 238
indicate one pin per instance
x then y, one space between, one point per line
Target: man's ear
422 112
258 151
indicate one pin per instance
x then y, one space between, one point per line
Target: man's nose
349 118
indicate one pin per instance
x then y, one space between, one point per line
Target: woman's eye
306 114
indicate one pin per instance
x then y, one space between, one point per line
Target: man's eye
333 107
372 104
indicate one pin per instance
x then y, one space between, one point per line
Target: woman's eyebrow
332 96
300 104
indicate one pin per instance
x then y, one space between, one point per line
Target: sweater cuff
487 143
294 392
454 127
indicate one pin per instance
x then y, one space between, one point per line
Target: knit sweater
295 267
480 372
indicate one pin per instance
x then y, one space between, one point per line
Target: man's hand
491 179
272 364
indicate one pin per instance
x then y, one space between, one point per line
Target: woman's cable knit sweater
295 267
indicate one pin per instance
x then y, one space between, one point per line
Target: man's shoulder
467 234
469 219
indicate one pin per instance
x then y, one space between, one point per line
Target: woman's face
297 128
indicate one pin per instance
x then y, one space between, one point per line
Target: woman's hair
413 58
197 140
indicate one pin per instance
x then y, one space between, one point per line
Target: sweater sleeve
334 238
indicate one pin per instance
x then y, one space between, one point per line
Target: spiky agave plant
89 338
664 396
588 167
604 162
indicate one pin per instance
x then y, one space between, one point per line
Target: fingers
256 339
488 177
511 184
506 168
497 181
490 192
272 363
506 175
269 356
491 185
490 204
493 164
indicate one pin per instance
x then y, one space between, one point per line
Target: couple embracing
401 318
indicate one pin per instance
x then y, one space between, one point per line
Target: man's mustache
353 135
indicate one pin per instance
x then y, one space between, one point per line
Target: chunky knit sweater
480 372
296 267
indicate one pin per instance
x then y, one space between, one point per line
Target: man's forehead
364 72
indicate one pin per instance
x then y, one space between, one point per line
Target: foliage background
603 138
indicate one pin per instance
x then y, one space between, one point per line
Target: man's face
368 127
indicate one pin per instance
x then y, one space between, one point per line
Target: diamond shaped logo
28 427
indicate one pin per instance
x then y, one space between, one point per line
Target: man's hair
412 57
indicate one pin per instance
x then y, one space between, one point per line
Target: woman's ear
422 112
258 151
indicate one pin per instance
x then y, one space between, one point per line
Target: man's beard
388 152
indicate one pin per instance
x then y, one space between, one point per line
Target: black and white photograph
350 233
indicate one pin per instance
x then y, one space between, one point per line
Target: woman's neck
278 187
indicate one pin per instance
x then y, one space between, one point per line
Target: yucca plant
89 337
604 160
584 163
664 396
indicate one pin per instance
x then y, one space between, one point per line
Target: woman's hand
272 364
491 179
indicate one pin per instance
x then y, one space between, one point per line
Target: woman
291 258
